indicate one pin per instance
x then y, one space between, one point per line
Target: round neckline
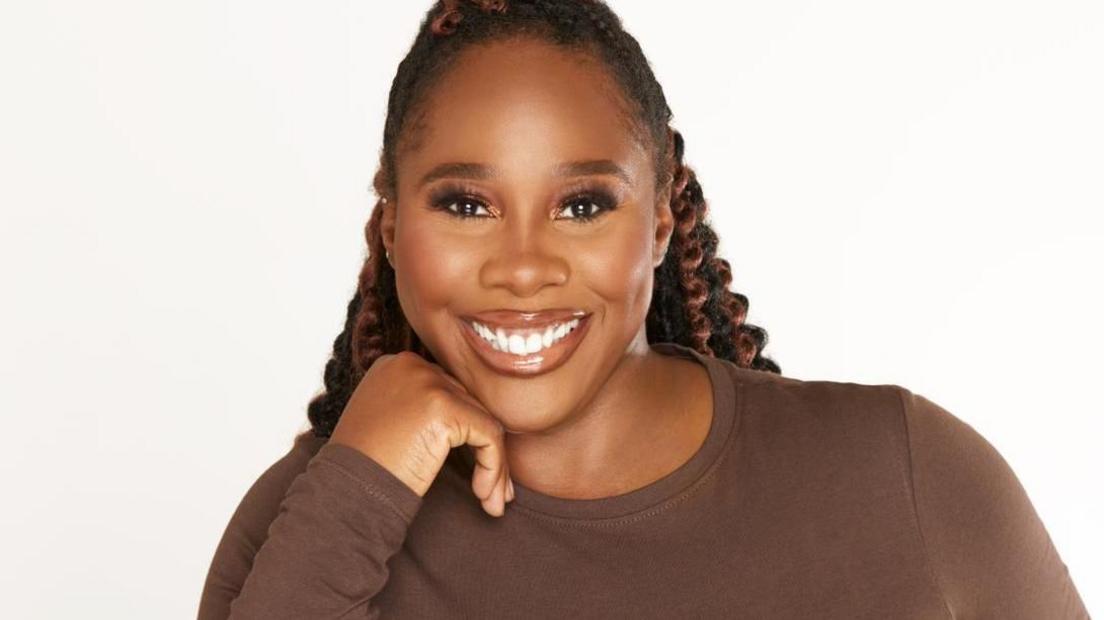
665 488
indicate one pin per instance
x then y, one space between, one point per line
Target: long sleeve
991 555
320 550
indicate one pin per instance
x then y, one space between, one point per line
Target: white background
908 192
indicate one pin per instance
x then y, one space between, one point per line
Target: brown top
808 499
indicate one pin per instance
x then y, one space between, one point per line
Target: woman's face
520 144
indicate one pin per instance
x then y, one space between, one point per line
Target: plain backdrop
908 193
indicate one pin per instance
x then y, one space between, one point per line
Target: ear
387 224
664 226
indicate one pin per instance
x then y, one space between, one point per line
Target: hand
407 414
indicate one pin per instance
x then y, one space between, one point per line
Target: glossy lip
518 319
542 361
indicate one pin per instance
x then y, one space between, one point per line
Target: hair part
691 303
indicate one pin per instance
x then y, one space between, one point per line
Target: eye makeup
464 201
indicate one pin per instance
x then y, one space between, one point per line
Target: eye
461 206
460 201
588 206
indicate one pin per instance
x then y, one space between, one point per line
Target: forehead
524 105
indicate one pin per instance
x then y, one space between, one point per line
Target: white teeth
518 344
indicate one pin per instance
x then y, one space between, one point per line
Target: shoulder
868 426
261 502
985 540
820 414
981 534
247 528
268 491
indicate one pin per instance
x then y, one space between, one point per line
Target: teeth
529 343
517 345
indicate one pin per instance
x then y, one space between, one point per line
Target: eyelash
448 195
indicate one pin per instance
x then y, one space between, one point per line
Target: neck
649 417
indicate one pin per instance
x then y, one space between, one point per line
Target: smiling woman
542 321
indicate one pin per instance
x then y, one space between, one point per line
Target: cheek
434 271
619 269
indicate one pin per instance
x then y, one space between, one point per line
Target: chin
525 419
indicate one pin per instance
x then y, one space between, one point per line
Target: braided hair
691 303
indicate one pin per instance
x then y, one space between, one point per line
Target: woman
542 292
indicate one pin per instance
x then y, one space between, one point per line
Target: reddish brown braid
691 302
446 21
690 209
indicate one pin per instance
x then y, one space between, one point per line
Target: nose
523 261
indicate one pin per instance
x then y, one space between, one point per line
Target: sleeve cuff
375 479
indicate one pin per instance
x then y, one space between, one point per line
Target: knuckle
438 400
438 431
416 468
407 357
430 440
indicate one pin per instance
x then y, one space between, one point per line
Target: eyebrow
468 170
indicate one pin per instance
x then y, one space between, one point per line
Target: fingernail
511 483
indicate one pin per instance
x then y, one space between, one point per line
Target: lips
528 365
513 319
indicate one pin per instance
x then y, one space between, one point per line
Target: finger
485 435
494 504
486 474
507 485
499 504
506 482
